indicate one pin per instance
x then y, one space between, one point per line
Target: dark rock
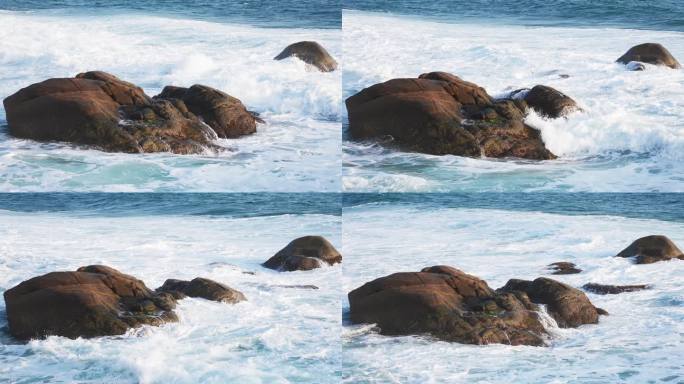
569 306
92 301
564 268
550 102
202 288
602 289
448 304
309 52
651 249
303 254
439 113
651 53
226 115
98 109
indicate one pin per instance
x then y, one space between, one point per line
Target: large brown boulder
202 288
549 102
651 249
439 113
311 53
448 304
98 109
92 301
303 254
569 306
225 114
651 53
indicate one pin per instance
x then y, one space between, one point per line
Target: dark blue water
658 206
657 15
232 205
265 13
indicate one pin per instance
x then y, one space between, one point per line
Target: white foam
297 150
637 343
630 132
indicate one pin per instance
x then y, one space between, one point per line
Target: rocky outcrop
311 53
97 109
603 289
92 301
303 254
563 268
569 306
202 288
440 114
547 101
651 53
451 305
651 249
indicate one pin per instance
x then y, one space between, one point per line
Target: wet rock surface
202 288
303 254
563 268
652 249
438 113
311 53
93 301
451 305
98 109
604 289
651 53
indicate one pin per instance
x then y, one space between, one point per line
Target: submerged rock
603 289
98 109
202 288
440 114
303 254
93 301
309 52
651 249
451 305
651 53
563 268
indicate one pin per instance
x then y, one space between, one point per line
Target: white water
630 136
297 150
280 335
640 342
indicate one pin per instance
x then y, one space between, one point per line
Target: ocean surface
280 335
630 137
226 45
498 238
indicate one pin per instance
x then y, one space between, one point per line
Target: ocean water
630 137
162 43
641 341
280 335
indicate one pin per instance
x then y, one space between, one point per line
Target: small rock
303 254
602 289
651 53
309 52
651 249
202 288
564 268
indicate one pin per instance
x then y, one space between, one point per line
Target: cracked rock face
93 301
97 109
440 114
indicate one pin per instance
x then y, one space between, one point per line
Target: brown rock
92 301
448 304
569 306
303 254
603 289
563 268
550 102
202 288
226 115
651 249
439 113
309 52
97 109
651 53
